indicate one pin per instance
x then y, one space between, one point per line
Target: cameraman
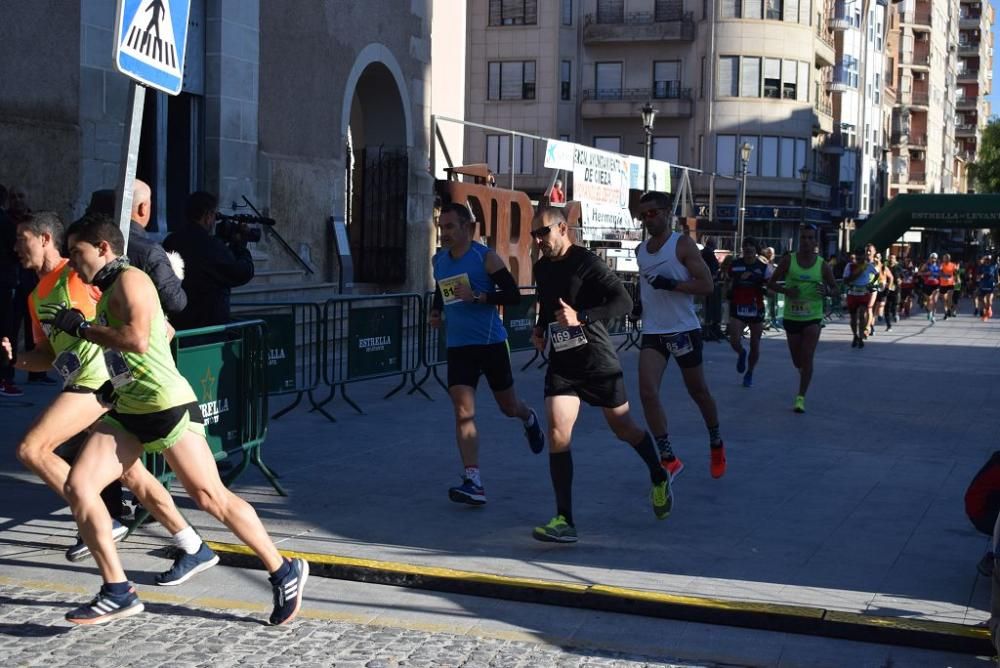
212 266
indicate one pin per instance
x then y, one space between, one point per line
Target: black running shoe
186 566
535 435
106 608
288 593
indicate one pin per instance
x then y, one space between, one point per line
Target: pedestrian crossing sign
150 36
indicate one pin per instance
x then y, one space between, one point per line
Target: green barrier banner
280 350
442 352
519 320
375 341
213 370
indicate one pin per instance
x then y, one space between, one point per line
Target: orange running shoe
718 467
673 468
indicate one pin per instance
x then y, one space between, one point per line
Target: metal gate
380 255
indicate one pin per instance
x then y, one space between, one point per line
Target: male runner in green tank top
154 410
807 280
85 384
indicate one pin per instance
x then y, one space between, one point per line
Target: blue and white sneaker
186 566
741 361
535 435
79 550
106 607
748 379
468 492
288 592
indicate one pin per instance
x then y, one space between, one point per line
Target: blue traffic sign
150 36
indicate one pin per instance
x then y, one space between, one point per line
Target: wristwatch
583 317
82 329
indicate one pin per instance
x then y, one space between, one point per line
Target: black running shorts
467 363
600 391
799 326
669 345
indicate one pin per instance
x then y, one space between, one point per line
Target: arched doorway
377 176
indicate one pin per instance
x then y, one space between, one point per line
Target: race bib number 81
448 286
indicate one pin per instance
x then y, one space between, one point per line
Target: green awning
904 212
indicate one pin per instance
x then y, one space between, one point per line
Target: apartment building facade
974 75
923 121
721 73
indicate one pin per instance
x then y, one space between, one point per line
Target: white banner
600 177
559 155
607 223
659 174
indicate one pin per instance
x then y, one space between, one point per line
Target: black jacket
144 253
211 269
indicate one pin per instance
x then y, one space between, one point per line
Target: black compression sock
561 471
647 451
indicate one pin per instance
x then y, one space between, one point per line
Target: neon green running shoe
663 499
558 530
800 404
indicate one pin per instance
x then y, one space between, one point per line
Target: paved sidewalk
855 506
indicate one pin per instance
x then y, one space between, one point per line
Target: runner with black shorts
747 281
472 281
86 389
672 272
807 280
907 284
576 294
986 286
930 274
154 411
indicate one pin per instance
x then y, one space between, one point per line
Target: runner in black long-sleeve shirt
576 294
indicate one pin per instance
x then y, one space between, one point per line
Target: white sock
472 473
187 540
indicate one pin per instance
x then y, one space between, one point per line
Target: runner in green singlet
807 279
80 404
154 410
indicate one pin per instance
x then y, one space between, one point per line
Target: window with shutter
725 155
610 11
608 81
567 12
730 9
528 84
729 76
565 80
753 9
803 79
513 12
772 77
790 12
772 10
493 82
666 79
750 77
613 144
800 155
789 79
668 10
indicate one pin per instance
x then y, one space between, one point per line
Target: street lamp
745 151
648 118
804 175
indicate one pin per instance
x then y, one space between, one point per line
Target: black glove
663 283
69 320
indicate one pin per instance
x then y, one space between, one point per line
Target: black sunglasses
541 232
649 214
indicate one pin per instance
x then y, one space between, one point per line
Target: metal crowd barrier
226 366
433 348
369 337
294 349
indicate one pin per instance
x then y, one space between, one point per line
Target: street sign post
150 39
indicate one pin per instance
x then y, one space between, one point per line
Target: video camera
246 226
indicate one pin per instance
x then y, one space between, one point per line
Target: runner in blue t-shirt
986 287
472 281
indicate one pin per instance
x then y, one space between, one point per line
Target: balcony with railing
832 144
966 102
841 16
915 58
907 139
826 54
670 100
824 111
969 20
638 27
842 79
916 98
965 129
968 74
968 47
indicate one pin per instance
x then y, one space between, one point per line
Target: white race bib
798 307
448 286
566 338
118 368
678 344
68 365
746 311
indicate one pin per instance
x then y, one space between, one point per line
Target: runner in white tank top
671 273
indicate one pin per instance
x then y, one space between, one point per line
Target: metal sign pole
130 156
